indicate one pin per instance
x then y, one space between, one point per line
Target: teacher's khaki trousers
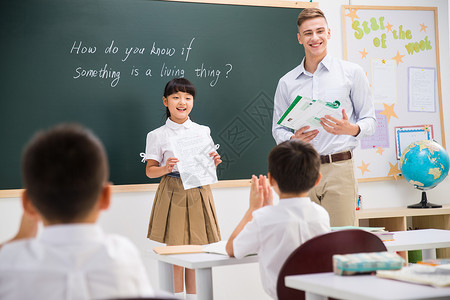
337 192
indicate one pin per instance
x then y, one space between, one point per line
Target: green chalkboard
105 63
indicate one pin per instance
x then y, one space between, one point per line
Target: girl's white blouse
158 145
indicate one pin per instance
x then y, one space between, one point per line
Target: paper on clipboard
195 165
305 111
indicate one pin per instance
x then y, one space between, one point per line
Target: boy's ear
28 207
165 101
318 179
272 180
105 197
273 183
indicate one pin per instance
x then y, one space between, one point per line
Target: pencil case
359 263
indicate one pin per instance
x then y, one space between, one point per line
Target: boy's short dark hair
64 170
309 13
295 166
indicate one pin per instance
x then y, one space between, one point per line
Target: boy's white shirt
276 231
77 261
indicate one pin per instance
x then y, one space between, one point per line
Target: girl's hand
216 158
171 162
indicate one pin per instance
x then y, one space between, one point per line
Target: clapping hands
260 192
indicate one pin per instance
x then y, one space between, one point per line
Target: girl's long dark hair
178 85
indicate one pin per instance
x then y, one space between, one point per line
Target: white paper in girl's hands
195 165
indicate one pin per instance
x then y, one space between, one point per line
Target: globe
424 164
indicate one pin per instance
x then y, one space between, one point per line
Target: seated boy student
274 232
65 173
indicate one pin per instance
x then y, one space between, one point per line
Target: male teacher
320 76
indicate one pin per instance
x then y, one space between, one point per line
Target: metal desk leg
428 254
165 276
203 284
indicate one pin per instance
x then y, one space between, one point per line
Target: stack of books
378 231
360 263
384 235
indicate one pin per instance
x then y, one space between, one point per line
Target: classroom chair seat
315 256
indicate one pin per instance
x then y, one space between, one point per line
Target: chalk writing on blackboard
114 71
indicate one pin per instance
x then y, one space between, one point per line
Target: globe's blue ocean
424 164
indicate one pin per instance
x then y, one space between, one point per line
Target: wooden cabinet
402 218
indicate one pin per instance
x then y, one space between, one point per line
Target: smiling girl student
179 217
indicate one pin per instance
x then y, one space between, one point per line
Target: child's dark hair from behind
295 165
178 85
64 170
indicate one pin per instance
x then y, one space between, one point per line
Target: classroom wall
129 212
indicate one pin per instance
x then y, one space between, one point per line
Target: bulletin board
398 47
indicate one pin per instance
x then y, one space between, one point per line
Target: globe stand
424 203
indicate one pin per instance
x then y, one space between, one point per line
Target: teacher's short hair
309 13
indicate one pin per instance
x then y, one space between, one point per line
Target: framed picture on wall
405 135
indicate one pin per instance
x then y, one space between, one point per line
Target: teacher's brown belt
326 159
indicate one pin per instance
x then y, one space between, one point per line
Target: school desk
427 240
357 287
201 262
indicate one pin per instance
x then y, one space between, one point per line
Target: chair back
315 256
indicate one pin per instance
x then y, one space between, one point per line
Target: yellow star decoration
398 58
389 27
388 111
363 167
352 14
383 61
394 171
423 27
380 150
426 128
364 53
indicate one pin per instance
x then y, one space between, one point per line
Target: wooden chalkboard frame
347 8
12 193
265 3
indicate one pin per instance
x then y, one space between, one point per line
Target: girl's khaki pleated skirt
183 217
